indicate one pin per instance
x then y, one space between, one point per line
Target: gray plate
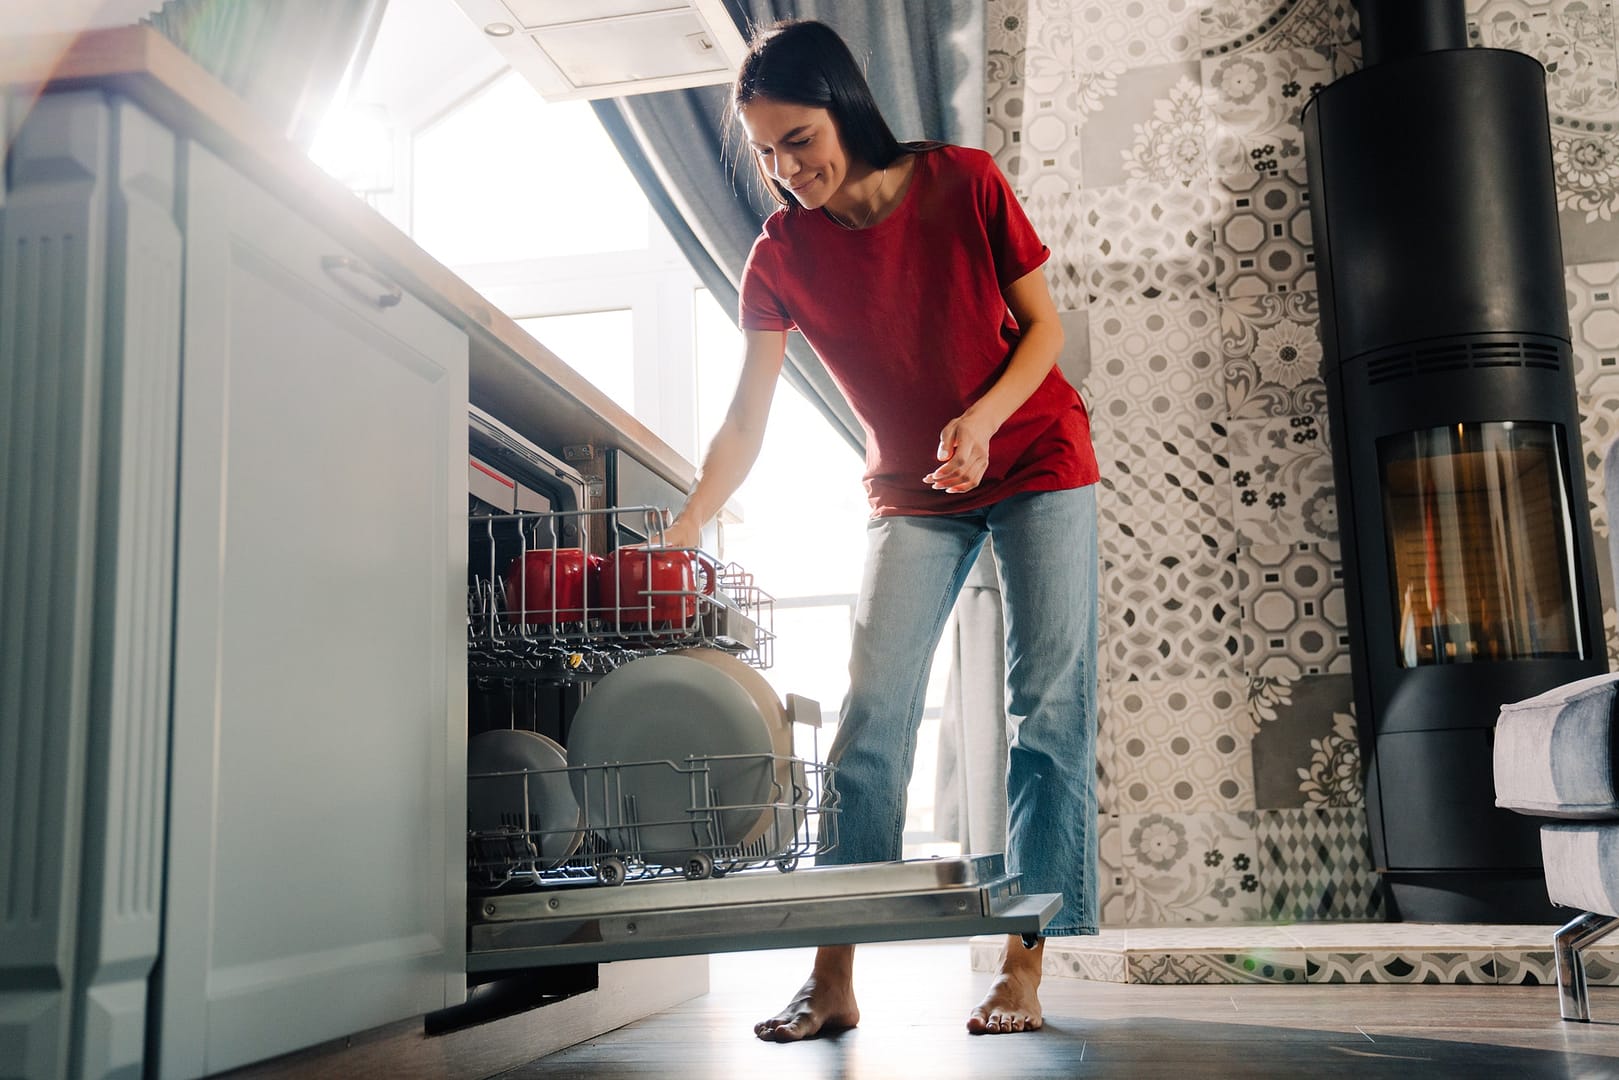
790 773
539 800
658 712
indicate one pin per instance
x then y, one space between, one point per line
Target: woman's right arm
736 445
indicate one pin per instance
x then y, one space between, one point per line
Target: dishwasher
622 803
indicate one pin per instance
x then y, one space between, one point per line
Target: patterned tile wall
1157 146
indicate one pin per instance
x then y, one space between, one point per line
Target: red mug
548 585
656 586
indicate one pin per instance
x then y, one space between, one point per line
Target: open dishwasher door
663 804
762 909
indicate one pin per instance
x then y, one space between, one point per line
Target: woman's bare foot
1013 1001
825 1002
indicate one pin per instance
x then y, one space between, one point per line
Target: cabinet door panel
89 410
315 884
53 249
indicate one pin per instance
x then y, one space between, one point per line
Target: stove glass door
1480 544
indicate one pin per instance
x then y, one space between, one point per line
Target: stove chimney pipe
1390 29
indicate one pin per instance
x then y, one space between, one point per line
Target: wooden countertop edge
143 65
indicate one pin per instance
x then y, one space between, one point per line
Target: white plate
494 802
662 709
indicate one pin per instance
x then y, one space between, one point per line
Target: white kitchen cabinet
317 809
232 659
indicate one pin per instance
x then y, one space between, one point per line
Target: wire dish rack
609 843
541 605
542 608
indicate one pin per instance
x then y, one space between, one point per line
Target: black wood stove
1466 538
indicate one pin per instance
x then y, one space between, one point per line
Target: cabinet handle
391 294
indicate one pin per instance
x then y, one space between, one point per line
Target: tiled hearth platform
1318 952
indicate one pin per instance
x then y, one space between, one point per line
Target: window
506 177
600 345
531 204
805 503
718 346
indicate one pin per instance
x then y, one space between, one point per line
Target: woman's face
798 145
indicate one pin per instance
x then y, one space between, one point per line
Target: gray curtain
286 58
924 60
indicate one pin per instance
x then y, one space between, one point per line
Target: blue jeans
1045 546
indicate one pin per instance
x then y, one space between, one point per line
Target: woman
913 272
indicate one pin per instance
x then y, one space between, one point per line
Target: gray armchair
1557 758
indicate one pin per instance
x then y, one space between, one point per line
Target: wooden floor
914 998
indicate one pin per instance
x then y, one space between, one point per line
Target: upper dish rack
541 605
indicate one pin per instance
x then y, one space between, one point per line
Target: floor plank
915 997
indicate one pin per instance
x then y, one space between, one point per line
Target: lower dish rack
612 842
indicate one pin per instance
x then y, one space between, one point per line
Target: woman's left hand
964 449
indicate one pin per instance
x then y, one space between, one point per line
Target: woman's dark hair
803 62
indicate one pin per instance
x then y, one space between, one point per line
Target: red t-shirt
909 319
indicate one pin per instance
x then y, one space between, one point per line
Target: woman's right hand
680 533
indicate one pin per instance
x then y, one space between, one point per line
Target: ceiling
58 16
427 55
